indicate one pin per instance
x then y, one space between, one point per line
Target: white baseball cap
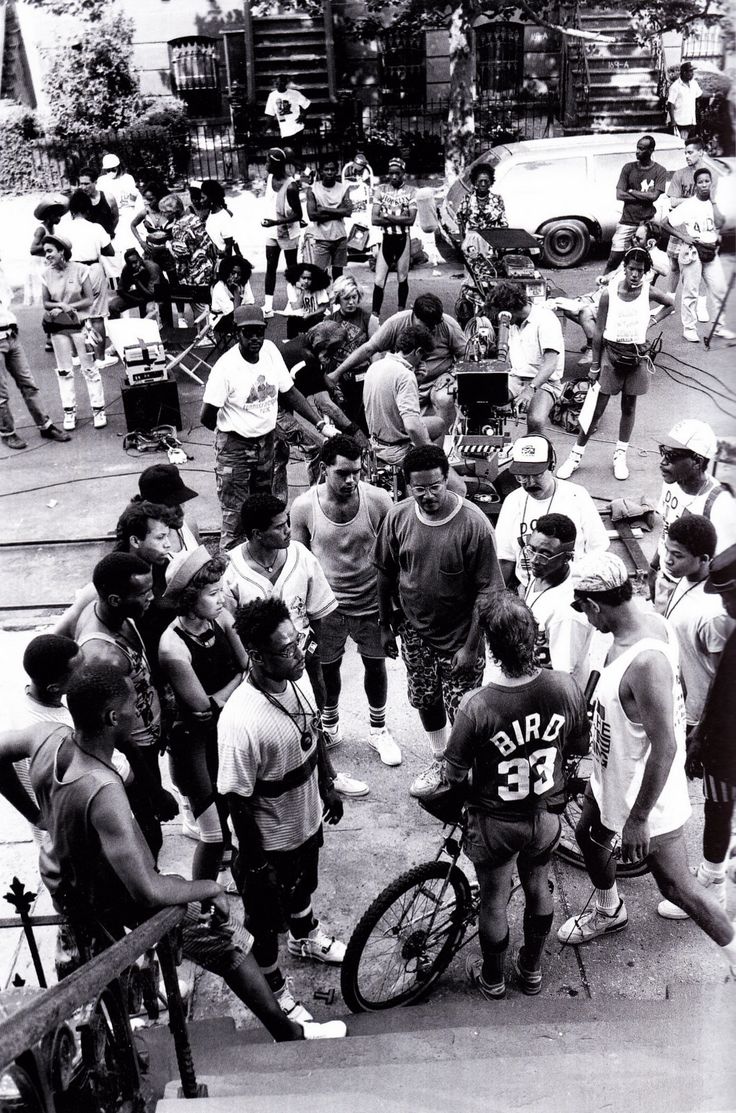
110 162
530 455
693 436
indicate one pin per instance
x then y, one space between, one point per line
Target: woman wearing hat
49 210
283 214
306 297
162 485
116 182
67 298
203 659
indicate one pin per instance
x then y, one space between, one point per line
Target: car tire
565 243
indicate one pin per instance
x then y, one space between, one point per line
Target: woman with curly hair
203 659
482 208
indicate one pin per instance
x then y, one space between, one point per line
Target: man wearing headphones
532 463
394 211
620 359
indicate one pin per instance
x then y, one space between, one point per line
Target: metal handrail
30 1023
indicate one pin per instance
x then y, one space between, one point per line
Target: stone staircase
545 1056
296 46
624 78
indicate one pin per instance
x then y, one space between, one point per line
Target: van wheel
565 243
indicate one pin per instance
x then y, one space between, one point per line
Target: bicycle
410 933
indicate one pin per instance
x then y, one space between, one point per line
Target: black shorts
393 247
269 898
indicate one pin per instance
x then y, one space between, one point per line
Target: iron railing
36 1023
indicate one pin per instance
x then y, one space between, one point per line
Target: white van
564 189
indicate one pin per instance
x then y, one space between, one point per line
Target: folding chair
181 346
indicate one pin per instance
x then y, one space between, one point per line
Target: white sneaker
290 1006
70 419
349 786
318 946
327 1030
428 781
99 419
668 910
333 736
702 310
620 467
725 333
382 741
691 334
592 924
267 313
569 466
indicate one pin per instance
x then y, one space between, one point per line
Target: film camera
493 255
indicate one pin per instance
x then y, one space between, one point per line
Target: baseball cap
162 484
110 162
248 316
530 455
396 164
692 436
360 159
183 568
598 571
276 154
722 572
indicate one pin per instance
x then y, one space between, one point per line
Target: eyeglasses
578 603
290 651
672 455
543 558
432 489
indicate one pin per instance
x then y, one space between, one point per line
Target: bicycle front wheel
568 848
406 938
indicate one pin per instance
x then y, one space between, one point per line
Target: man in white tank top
620 365
638 789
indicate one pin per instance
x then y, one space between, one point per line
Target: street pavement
65 492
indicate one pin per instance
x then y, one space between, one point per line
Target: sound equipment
147 405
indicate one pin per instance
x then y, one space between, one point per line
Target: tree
92 83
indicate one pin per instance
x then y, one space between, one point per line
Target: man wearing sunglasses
563 634
638 790
686 454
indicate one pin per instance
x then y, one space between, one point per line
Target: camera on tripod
479 438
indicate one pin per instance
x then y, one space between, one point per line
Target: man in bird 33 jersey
512 733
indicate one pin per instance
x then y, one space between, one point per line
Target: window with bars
403 57
500 59
195 70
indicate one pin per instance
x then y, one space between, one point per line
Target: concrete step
544 1056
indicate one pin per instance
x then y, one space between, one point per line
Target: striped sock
377 716
330 717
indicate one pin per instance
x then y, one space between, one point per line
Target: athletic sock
621 446
578 450
438 741
607 900
330 717
377 300
403 295
712 871
494 962
377 716
300 926
268 301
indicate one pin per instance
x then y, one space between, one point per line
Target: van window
545 174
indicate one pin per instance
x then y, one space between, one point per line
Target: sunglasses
672 455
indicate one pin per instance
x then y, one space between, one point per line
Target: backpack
566 410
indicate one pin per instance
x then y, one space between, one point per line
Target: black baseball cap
162 484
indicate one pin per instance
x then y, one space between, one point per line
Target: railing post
190 1088
21 900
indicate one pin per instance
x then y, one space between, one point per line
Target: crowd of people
229 661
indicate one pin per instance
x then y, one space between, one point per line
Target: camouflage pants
243 466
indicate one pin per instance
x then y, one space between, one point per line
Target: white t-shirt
696 217
301 584
682 97
87 240
527 343
286 108
564 634
122 189
246 395
520 512
702 628
673 502
220 227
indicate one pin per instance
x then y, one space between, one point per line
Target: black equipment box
148 405
485 383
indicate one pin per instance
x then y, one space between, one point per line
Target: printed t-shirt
246 394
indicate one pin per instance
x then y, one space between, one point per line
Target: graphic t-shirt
715 502
563 635
696 218
512 738
286 107
645 179
395 202
246 394
301 585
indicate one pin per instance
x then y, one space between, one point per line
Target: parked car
564 189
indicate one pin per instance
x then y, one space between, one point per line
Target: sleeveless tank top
342 549
72 864
627 321
214 664
277 207
620 748
147 731
329 199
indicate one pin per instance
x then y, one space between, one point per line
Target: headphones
552 456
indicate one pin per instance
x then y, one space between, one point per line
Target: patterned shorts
429 673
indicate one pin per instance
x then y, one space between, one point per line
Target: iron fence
236 150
